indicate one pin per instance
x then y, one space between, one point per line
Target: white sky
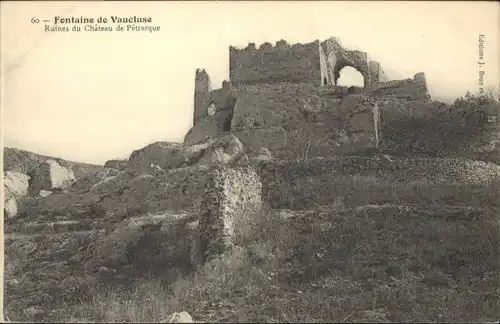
96 96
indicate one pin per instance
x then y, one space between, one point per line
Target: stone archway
339 60
349 76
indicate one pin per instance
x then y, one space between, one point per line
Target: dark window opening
229 107
226 127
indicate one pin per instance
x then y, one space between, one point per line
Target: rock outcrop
23 161
10 207
225 151
116 164
164 156
49 175
15 187
15 183
262 154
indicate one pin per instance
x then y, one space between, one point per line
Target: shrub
97 211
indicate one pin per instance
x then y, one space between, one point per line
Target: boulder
244 160
182 317
86 184
10 207
225 151
49 175
44 193
165 156
15 183
15 187
263 154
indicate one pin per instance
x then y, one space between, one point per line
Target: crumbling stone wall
270 105
285 117
376 73
280 63
213 109
414 89
283 180
337 57
317 63
230 194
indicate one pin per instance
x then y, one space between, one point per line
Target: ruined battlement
280 63
318 63
268 47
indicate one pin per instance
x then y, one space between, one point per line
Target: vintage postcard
250 161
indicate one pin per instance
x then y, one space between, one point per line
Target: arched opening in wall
325 81
349 77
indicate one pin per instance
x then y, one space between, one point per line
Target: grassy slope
421 264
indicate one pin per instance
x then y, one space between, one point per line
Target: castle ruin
293 87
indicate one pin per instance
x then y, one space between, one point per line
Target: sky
95 96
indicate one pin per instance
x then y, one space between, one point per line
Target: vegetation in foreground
439 264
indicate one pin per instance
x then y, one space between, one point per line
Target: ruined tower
202 89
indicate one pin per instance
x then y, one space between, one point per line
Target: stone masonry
231 193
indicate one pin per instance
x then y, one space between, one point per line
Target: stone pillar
230 193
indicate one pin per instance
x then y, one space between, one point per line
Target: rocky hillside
389 240
23 162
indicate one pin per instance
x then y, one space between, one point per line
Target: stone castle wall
317 63
295 105
376 72
280 63
303 184
413 89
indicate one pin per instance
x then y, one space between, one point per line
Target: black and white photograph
250 161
